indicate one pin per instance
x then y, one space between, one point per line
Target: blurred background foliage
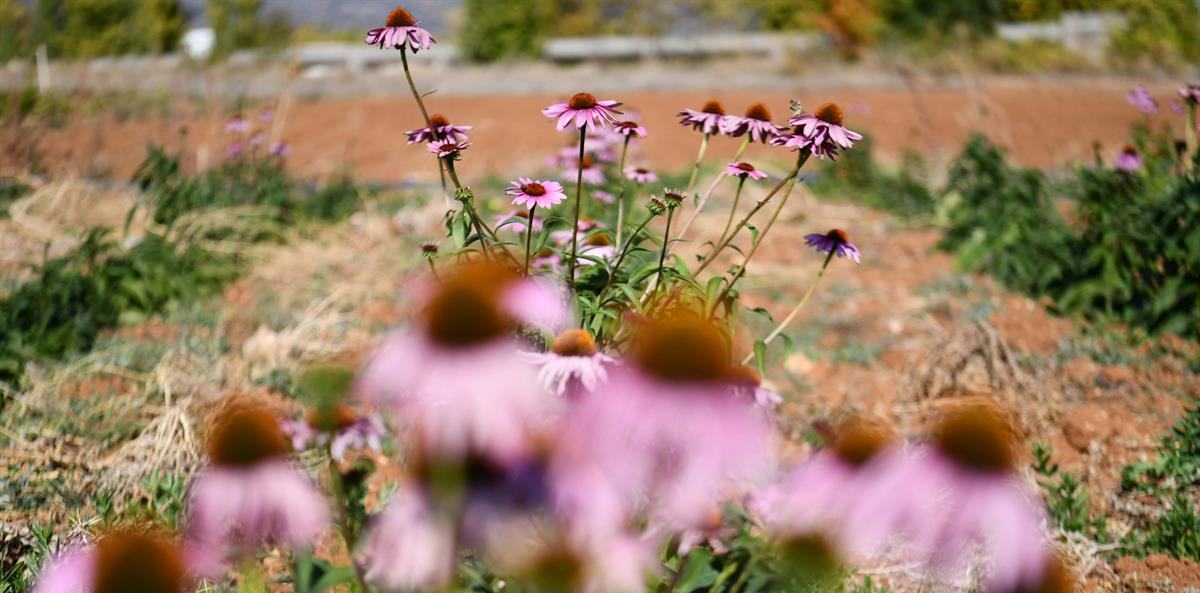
1158 31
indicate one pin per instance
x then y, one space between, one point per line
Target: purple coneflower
603 197
250 494
441 129
1141 100
573 366
528 192
564 236
583 109
338 427
597 245
835 241
448 148
458 378
402 30
237 125
744 170
235 150
630 129
520 226
408 547
1190 93
640 175
756 123
593 174
116 563
748 385
823 130
707 120
1129 160
666 431
281 149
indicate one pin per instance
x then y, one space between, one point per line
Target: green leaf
760 356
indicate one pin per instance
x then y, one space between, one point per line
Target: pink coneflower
824 131
835 241
748 385
583 109
1178 108
457 378
250 494
237 125
707 120
1190 93
235 150
402 30
563 237
593 174
756 123
603 197
666 432
520 226
630 129
528 192
265 116
640 175
745 170
448 148
281 149
1141 100
408 547
597 245
441 129
118 563
258 139
546 258
573 366
339 428
1129 160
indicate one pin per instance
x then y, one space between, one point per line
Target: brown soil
1044 122
1158 573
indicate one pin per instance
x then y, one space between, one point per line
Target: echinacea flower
562 237
235 150
1129 160
401 30
835 241
237 125
528 192
1190 93
747 384
448 148
338 427
250 494
457 379
756 123
408 547
281 149
573 366
1141 100
117 563
440 129
583 109
744 170
603 197
520 226
597 245
640 175
707 120
592 173
824 131
630 129
666 431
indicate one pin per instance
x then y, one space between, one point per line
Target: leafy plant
1066 498
1176 533
1178 461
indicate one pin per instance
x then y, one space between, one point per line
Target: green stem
529 238
741 270
696 166
737 195
578 207
621 257
675 578
343 518
662 255
481 225
795 310
708 192
413 87
621 189
1190 135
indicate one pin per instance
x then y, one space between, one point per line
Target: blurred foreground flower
338 427
122 562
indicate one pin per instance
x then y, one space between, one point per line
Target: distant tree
240 24
495 30
14 21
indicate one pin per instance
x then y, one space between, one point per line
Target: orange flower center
599 240
977 439
839 235
137 562
582 101
588 161
744 375
682 348
858 441
400 18
830 113
574 342
641 171
331 418
747 167
244 436
438 120
467 311
533 189
1130 150
758 111
714 107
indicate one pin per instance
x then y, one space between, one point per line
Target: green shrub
496 30
905 193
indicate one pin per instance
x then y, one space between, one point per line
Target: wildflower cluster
573 412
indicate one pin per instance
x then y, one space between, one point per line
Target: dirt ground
1044 122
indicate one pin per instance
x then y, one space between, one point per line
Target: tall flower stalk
578 210
696 166
791 316
621 188
737 156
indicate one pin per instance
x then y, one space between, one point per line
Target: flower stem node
464 194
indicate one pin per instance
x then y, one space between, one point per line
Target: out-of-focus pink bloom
824 131
1129 160
835 241
630 129
235 150
747 384
640 175
596 245
237 125
666 432
402 30
1190 93
408 547
458 379
442 129
1141 100
603 197
621 564
265 116
250 494
745 170
563 237
1178 107
506 221
528 192
708 120
337 427
281 149
756 123
546 258
448 148
592 173
573 366
123 561
583 109
257 139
